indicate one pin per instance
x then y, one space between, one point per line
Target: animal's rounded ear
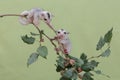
68 32
42 14
56 31
62 29
42 9
52 15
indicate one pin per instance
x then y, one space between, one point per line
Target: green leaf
59 68
100 43
63 78
61 59
28 40
87 76
42 51
94 63
33 57
84 57
34 34
68 73
98 71
79 62
108 36
71 57
106 53
74 75
60 62
86 68
89 66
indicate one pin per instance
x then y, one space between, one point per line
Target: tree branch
49 39
40 32
11 15
51 26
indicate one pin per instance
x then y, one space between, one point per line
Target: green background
86 20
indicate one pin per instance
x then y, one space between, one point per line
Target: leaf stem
39 32
94 57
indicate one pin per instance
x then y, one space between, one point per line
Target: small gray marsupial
64 41
34 16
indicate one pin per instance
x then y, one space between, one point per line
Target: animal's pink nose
60 37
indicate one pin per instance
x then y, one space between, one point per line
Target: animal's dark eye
65 33
58 32
45 19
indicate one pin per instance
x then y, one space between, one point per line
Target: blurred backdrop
86 20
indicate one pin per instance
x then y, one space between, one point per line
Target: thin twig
11 15
94 57
50 40
51 26
37 27
41 32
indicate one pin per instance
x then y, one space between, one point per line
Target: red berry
65 51
79 69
